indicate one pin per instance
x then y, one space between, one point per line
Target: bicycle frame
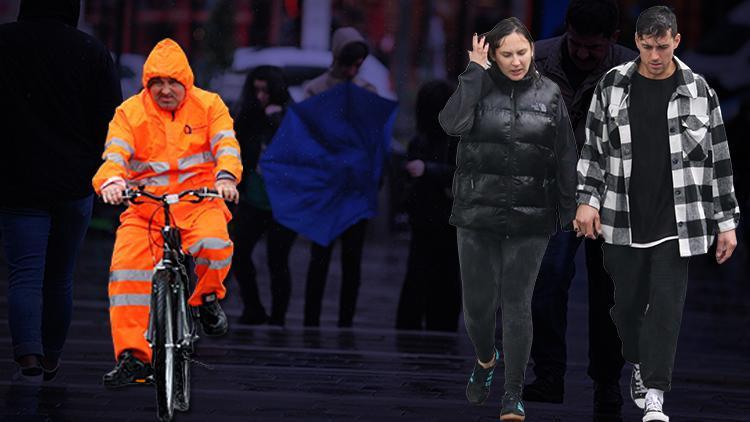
178 329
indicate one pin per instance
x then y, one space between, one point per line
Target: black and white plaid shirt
701 168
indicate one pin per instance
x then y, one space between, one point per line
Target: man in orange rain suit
170 137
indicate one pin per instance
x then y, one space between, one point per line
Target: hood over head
167 60
343 37
66 11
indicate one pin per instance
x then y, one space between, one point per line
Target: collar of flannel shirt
685 78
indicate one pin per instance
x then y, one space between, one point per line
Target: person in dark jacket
576 61
514 185
59 90
432 288
264 100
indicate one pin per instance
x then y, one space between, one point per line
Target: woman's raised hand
478 53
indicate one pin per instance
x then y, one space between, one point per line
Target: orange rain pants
203 229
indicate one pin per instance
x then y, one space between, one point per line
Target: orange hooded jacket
170 151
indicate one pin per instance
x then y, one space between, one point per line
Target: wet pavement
371 372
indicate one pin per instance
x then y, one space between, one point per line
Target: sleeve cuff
112 180
585 198
727 224
225 175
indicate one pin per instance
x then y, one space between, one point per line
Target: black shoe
545 389
255 317
607 398
129 371
512 408
480 380
212 317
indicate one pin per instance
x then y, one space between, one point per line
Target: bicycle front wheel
164 347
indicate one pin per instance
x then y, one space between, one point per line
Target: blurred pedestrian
431 294
59 90
655 181
514 185
576 61
263 103
349 51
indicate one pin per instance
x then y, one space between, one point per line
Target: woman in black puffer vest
514 183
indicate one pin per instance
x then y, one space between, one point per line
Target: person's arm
592 164
457 117
223 142
118 149
726 209
592 167
567 158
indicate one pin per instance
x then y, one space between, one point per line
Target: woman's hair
250 115
274 77
431 98
504 28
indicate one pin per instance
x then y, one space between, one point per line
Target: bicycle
171 329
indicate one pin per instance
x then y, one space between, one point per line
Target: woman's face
260 88
514 56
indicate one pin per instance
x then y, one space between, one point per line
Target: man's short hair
352 52
655 22
593 17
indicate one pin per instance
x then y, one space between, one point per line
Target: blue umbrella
323 167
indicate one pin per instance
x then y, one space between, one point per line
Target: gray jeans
498 271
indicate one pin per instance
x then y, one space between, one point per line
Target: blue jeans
41 247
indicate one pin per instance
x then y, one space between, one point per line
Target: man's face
348 71
168 93
656 54
514 56
587 51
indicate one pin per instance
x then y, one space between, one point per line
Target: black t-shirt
651 192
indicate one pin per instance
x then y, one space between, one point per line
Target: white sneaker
637 389
653 411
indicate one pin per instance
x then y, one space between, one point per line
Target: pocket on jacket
616 117
694 137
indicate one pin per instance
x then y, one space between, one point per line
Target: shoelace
653 405
639 386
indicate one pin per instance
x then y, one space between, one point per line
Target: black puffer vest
516 143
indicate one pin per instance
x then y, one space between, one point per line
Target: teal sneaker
480 380
512 408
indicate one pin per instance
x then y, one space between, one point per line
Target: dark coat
516 161
58 91
428 197
548 59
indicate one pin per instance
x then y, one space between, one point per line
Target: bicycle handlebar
170 198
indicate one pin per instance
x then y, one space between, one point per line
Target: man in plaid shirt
658 190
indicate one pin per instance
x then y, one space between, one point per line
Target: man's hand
228 190
415 168
478 53
112 193
725 244
587 222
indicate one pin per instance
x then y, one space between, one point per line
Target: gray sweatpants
498 271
